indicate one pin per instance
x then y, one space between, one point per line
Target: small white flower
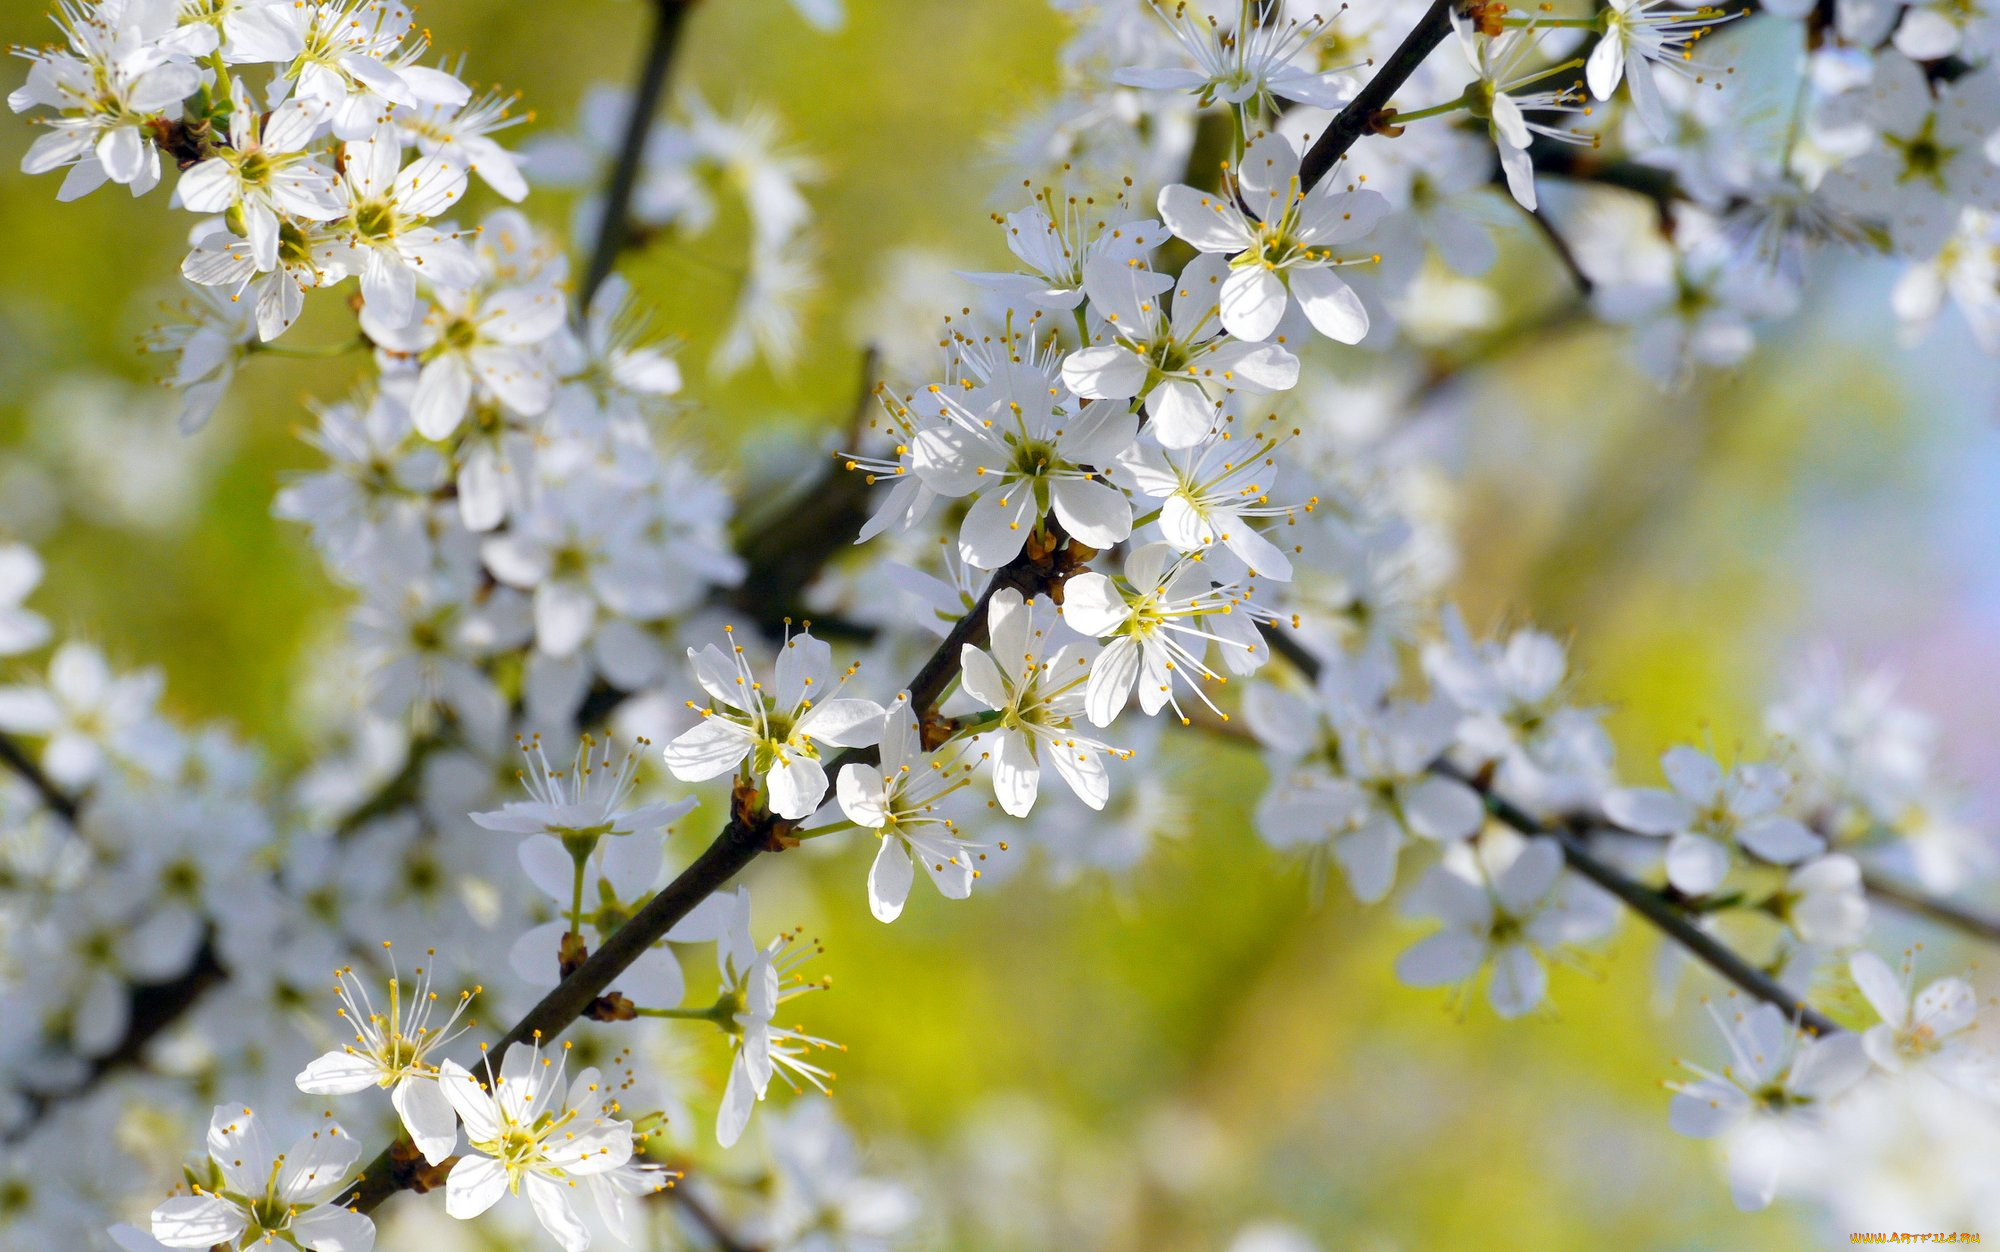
388 205
267 171
1707 812
88 714
1161 621
1284 249
1504 66
1039 696
755 981
267 1196
899 802
359 56
389 1050
1025 455
1183 367
1930 155
777 733
129 65
1249 63
208 342
1210 496
1642 38
584 802
531 1131
1504 902
1931 1029
1057 241
476 342
461 134
1776 1083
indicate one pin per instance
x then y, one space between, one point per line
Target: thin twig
704 1217
1909 899
1564 253
616 225
58 801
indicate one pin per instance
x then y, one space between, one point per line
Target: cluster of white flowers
1117 494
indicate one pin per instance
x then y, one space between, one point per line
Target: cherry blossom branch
614 229
1649 904
58 801
1657 909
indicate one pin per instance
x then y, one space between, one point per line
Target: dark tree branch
1958 917
59 802
1358 118
616 225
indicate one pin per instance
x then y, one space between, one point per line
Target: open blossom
1505 903
778 733
1057 239
476 342
1776 1083
899 801
1351 772
1024 455
1644 38
1161 620
462 135
267 171
21 630
531 1130
1211 496
1039 696
129 63
1284 250
385 231
359 56
1251 62
1551 755
755 981
1183 366
1930 1029
1707 812
584 803
1504 66
389 1050
87 713
267 1196
1929 154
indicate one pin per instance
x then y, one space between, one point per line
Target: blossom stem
317 352
615 227
832 828
713 1013
1539 75
1436 110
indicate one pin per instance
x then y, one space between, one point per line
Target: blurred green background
1199 1047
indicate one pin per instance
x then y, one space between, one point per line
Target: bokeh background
1156 1060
